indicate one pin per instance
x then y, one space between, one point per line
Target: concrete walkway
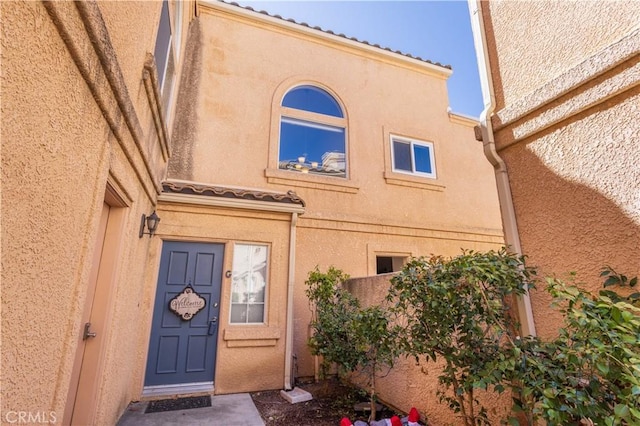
225 410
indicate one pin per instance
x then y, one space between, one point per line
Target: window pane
255 313
238 313
402 156
163 40
423 158
314 99
168 82
312 148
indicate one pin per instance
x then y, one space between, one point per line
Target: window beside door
249 283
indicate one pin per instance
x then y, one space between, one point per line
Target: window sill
333 184
411 182
251 336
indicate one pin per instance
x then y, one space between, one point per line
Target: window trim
413 142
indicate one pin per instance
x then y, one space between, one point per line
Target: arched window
312 133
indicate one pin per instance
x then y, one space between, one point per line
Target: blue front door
184 351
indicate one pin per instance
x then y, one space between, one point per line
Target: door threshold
179 389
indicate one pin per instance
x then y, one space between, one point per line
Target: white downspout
288 345
511 236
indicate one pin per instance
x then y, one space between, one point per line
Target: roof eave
319 35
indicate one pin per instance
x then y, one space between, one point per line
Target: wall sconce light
151 223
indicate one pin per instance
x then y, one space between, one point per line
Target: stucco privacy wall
249 61
410 384
74 123
568 132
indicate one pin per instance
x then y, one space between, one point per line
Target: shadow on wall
566 227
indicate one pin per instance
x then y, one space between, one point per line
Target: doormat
178 404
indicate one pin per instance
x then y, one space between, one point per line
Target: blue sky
439 31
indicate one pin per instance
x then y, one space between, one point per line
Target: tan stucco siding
575 191
65 139
119 20
248 70
241 82
565 124
539 40
46 193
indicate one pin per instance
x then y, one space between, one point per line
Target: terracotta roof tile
177 187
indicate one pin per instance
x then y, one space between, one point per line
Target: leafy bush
590 371
333 310
354 338
457 310
613 278
454 309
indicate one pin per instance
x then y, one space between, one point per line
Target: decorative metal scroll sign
187 304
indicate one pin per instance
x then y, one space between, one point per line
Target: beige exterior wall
567 102
540 40
77 131
249 61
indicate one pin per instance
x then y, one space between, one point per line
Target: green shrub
457 310
590 371
356 339
453 309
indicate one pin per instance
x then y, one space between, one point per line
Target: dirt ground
331 402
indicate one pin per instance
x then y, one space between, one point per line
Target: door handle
212 326
87 331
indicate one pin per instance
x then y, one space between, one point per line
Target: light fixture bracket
151 223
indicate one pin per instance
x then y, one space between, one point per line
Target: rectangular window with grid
249 283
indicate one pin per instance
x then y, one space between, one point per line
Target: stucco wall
539 40
248 67
576 200
46 193
67 133
568 132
